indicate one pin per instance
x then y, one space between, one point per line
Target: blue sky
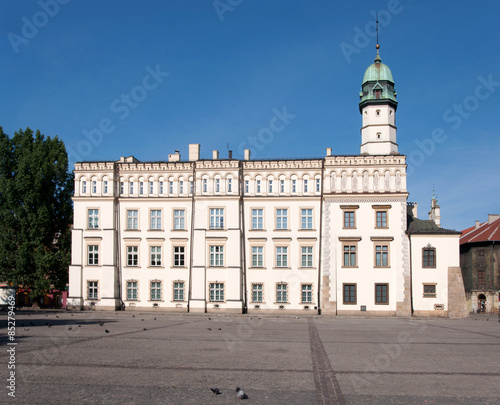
145 78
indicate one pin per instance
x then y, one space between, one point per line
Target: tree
35 211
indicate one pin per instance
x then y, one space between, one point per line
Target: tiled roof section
484 233
420 226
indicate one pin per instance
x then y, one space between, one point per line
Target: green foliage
35 211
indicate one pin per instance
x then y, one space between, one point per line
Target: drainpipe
117 232
411 275
191 241
243 237
320 235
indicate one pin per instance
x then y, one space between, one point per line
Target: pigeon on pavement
240 394
216 391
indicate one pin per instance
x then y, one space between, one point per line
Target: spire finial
377 58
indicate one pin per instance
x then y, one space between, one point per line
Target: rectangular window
181 187
105 187
155 290
178 290
480 277
94 186
132 255
150 187
307 218
307 256
294 186
217 185
216 256
216 218
349 219
306 186
257 256
381 255
92 290
179 219
171 187
281 256
258 219
318 185
381 219
429 290
381 293
191 187
141 188
161 187
93 219
349 255
132 290
93 255
179 256
257 292
429 257
306 295
258 187
247 186
270 183
132 219
216 292
122 187
281 293
350 294
131 187
282 186
84 187
205 185
155 256
282 218
229 185
155 219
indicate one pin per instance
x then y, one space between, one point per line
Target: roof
378 71
486 232
416 226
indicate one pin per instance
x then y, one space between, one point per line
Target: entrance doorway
481 303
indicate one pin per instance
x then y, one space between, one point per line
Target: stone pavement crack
327 387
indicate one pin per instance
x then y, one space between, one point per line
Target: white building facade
323 236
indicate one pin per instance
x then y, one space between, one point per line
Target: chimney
174 157
194 152
230 154
247 154
477 224
328 151
215 154
492 218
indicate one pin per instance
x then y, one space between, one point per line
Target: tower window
378 113
378 135
377 93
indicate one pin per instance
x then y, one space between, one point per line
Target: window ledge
307 229
178 301
306 268
179 230
154 301
282 268
282 230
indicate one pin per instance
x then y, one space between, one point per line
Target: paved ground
155 358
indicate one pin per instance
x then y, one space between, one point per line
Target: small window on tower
378 113
378 93
378 135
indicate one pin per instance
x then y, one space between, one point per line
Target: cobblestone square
157 358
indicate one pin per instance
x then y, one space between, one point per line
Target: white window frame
216 218
216 253
179 219
132 220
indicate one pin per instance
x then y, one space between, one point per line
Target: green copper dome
378 71
378 85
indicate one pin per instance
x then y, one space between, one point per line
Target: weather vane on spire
376 21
